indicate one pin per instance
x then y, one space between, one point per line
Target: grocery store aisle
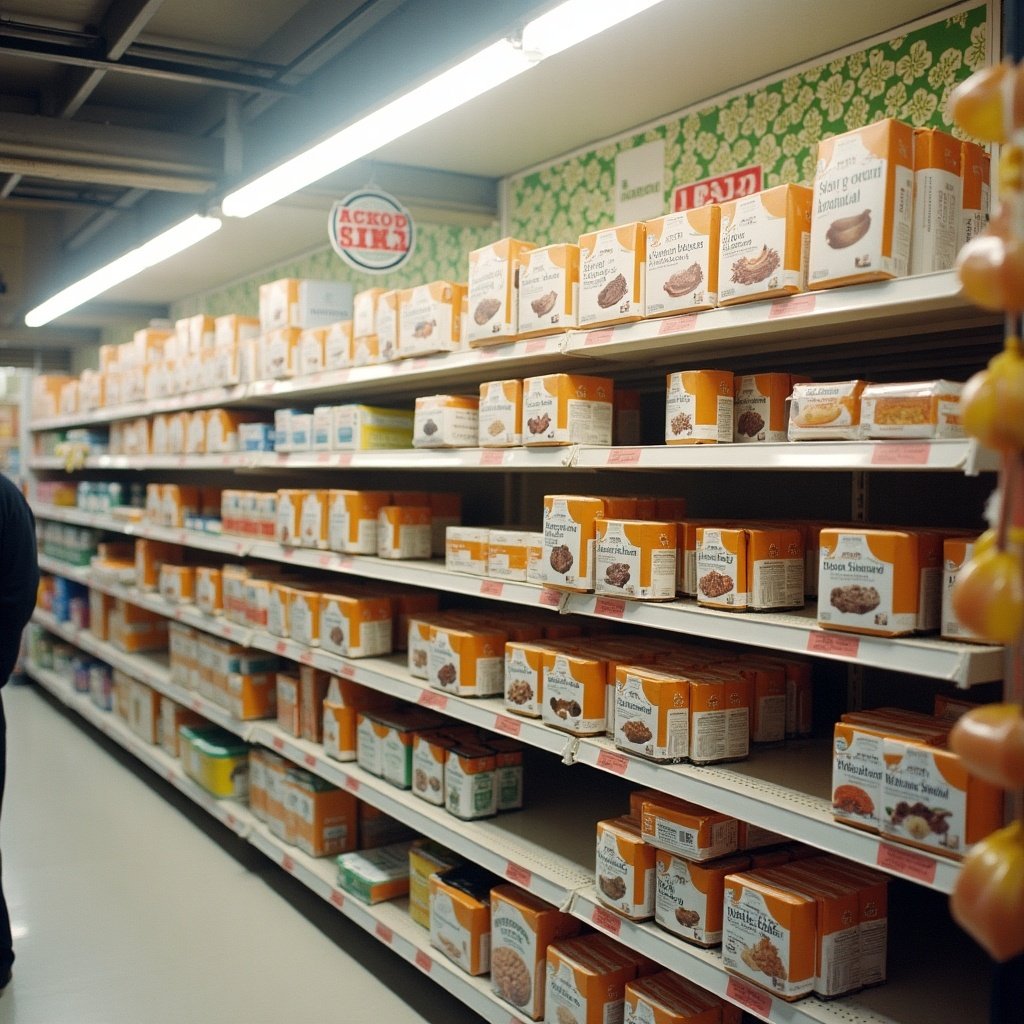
131 906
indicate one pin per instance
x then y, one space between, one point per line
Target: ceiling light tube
156 250
573 22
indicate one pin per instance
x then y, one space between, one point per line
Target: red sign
423 961
511 726
793 305
610 606
750 997
432 699
514 873
901 454
610 762
371 231
491 588
384 933
720 189
820 642
606 920
905 862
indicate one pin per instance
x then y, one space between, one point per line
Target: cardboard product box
690 895
144 712
287 685
352 520
938 201
404 531
759 406
375 875
975 176
383 343
313 686
339 351
625 869
467 661
549 286
564 408
460 916
323 818
500 414
586 979
570 529
430 319
466 549
426 858
364 311
369 428
826 411
613 275
446 421
217 760
311 357
291 302
172 717
356 625
470 782
699 407
682 261
686 829
922 409
493 292
635 559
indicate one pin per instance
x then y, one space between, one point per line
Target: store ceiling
119 117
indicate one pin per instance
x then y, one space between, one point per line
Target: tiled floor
130 906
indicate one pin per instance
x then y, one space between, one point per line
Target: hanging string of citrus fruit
988 898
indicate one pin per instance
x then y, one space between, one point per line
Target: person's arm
19 572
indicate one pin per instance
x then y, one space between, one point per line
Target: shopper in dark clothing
19 578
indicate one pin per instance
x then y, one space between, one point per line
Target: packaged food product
759 406
429 758
549 284
369 428
507 554
403 531
564 408
385 338
826 412
500 422
975 177
524 676
689 895
682 261
396 734
764 244
352 518
586 980
355 625
304 616
652 711
869 581
668 998
216 759
321 817
938 201
570 530
698 407
956 553
686 829
276 768
364 311
863 205
446 421
493 293
535 565
172 717
767 681
430 319
470 782
467 661
574 697
719 718
613 275
509 772
281 352
426 858
292 302
465 549
722 570
313 685
522 928
919 409
339 351
289 515
635 559
625 869
177 583
375 875
313 519
460 916
769 935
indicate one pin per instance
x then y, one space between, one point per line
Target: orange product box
586 979
468 662
149 342
288 526
276 768
278 608
257 601
100 607
310 351
471 782
297 302
406 602
195 334
759 406
177 583
826 412
524 676
460 917
570 529
507 554
418 640
626 426
446 421
177 502
231 329
195 433
287 685
493 291
304 616
429 758
352 520
430 319
869 581
322 818
209 590
652 712
339 352
257 783
403 531
861 220
625 869
698 407
549 286
767 681
364 311
313 686
931 801
635 559
722 568
150 555
177 432
222 434
952 709
313 512
613 275
341 706
355 625
144 711
67 403
667 998
686 829
938 201
172 717
769 935
975 177
574 689
689 895
719 718
922 409
500 414
763 250
251 696
465 549
522 928
683 252
385 338
426 858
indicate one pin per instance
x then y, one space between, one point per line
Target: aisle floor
131 906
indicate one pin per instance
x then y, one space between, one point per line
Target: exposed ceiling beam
104 175
120 27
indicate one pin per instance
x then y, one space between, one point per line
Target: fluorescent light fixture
564 26
156 250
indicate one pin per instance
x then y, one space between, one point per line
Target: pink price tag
623 456
351 784
432 699
601 337
325 560
492 457
337 898
230 821
678 324
606 920
287 863
423 961
306 657
505 724
349 671
612 762
900 454
839 644
384 933
344 458
324 457
909 863
310 760
491 588
550 598
536 345
746 995
278 743
610 607
521 877
280 647
197 704
794 305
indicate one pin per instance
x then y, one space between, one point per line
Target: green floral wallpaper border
776 125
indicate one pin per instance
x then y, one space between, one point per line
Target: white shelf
837 316
962 456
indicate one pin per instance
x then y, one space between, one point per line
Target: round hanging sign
371 231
